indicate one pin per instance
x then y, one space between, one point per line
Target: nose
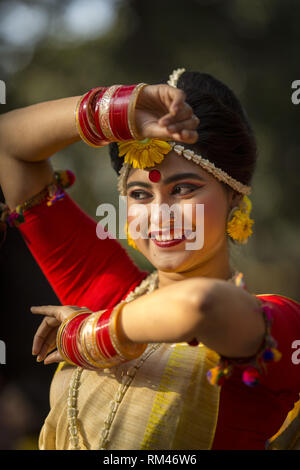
163 217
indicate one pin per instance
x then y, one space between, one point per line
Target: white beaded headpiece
220 174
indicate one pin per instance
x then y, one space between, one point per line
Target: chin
171 263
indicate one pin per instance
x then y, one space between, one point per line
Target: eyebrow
170 179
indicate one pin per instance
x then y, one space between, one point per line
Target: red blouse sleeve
82 269
284 375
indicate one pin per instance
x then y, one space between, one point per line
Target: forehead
172 163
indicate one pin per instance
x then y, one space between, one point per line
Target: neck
218 267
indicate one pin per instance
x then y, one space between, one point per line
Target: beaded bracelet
52 192
266 353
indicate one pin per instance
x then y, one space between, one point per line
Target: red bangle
118 113
106 114
92 341
85 125
68 339
88 109
86 343
84 117
102 336
77 352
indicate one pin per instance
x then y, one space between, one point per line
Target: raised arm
29 136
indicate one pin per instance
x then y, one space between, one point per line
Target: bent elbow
198 305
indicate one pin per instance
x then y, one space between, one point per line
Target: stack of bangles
106 115
92 340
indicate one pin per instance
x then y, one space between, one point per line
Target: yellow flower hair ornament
239 225
144 153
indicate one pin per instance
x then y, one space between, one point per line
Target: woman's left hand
44 341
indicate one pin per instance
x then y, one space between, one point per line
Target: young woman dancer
180 358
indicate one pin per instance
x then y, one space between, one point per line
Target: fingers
53 357
44 340
47 329
43 345
184 131
48 345
49 310
182 125
183 113
44 332
177 100
186 136
188 124
54 310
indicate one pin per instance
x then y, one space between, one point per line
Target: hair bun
116 161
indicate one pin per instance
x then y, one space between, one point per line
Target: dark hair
225 135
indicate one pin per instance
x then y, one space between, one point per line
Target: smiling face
182 183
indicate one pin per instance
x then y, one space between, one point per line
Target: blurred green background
52 49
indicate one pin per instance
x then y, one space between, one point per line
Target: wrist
123 344
145 97
96 340
121 327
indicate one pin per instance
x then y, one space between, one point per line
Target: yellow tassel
277 354
130 241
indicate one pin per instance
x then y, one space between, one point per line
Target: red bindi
154 176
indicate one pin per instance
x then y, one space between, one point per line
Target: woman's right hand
44 341
162 112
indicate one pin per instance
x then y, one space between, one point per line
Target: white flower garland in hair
221 175
173 78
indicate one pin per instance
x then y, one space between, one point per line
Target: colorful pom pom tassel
267 353
217 375
56 197
250 376
16 217
65 178
271 354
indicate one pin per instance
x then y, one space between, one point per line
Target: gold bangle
131 111
87 348
126 352
104 113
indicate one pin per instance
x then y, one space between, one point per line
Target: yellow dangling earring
130 241
239 224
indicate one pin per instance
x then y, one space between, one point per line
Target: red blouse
86 271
